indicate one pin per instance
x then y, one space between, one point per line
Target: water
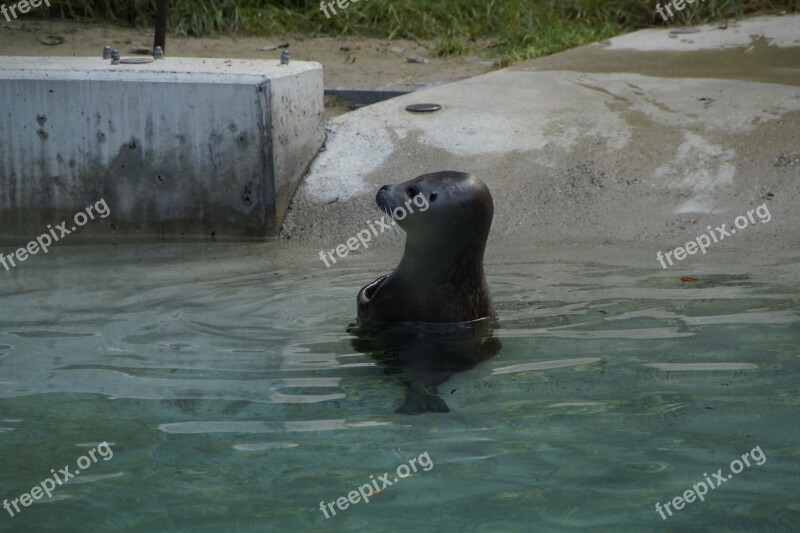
228 390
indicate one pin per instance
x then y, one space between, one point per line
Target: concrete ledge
623 147
180 146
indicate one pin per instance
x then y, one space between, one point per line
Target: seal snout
382 198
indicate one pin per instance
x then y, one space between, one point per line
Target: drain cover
423 108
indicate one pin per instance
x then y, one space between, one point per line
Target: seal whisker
386 214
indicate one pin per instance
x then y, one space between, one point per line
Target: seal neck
454 262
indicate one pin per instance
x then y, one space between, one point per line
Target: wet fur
440 278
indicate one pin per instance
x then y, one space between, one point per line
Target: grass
510 30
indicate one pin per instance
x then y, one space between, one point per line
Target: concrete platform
207 147
624 141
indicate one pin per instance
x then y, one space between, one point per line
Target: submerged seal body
423 356
440 278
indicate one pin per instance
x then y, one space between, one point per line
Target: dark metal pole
162 7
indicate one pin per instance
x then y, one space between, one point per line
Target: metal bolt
106 52
114 57
158 53
285 57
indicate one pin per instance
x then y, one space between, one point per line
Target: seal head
440 278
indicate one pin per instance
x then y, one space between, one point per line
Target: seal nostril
432 197
412 191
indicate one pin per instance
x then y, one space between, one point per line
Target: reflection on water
426 355
235 400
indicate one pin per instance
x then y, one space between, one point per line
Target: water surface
225 383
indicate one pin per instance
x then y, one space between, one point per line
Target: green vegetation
511 30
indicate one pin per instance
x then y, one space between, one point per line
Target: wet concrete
601 144
758 62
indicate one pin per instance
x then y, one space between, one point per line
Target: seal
440 278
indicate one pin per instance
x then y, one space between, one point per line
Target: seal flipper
365 296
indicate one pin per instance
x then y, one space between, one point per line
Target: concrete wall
181 146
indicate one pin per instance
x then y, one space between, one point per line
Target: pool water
224 381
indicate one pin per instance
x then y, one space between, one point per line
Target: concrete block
180 146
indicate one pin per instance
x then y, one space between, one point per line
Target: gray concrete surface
179 146
646 139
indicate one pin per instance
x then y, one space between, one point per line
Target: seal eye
432 197
412 191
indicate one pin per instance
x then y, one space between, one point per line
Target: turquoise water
225 383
